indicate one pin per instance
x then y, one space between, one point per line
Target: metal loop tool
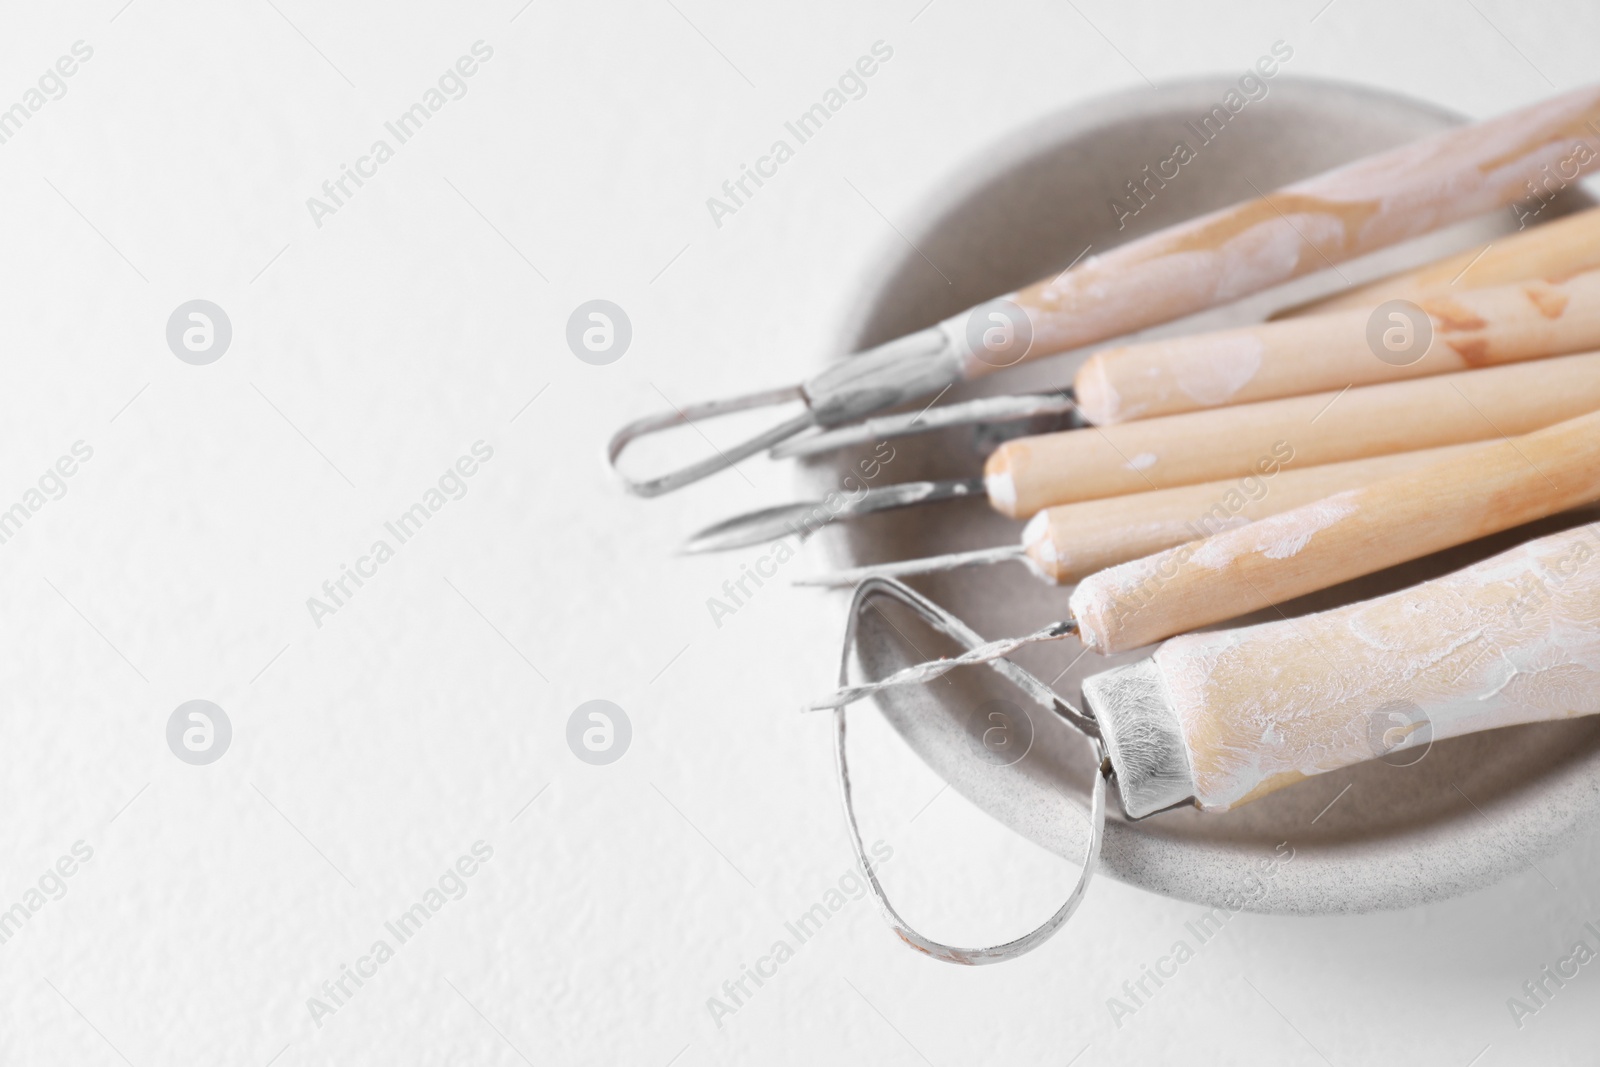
916 365
948 624
1197 264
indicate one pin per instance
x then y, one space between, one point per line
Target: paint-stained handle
1553 251
1513 639
1070 542
1461 331
1355 209
1029 474
1460 498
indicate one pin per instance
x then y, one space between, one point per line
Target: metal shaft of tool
989 409
927 565
922 673
804 519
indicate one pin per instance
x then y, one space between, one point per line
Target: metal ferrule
1142 737
908 368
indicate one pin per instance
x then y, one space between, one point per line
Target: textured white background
422 717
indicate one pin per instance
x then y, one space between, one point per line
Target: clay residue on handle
1097 396
1281 536
1106 602
1510 640
1550 301
1222 364
1474 351
1209 262
1487 163
1450 317
1302 227
1204 370
1121 607
1000 486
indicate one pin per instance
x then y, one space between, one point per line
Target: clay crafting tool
1552 311
1064 544
1360 531
1027 475
1030 473
1216 720
1361 346
1456 499
1553 250
1211 260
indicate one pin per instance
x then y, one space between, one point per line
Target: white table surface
429 712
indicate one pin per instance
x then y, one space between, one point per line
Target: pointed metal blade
759 527
805 519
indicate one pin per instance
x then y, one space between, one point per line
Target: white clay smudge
1512 639
1281 536
1222 364
1002 491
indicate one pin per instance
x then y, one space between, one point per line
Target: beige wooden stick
1356 532
1303 227
1511 640
1069 542
1029 474
1555 250
1468 329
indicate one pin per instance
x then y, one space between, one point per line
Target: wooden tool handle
1555 250
1460 498
1029 474
1513 639
1468 329
1072 541
1346 212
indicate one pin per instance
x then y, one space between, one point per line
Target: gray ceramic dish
1471 811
